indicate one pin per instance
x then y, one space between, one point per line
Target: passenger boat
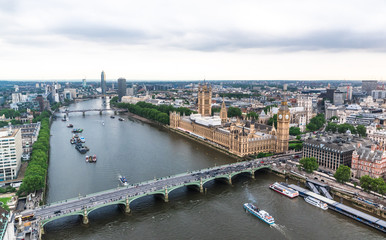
88 158
77 130
316 202
112 117
70 125
82 149
123 180
263 215
289 192
120 119
64 118
72 141
82 140
94 158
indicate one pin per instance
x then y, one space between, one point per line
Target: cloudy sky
193 40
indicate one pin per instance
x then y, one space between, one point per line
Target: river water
142 151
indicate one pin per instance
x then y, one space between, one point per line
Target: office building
103 83
368 86
121 88
333 150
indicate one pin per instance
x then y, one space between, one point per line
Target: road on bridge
97 199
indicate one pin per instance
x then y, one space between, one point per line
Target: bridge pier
166 198
230 179
115 112
253 174
41 232
84 113
201 186
85 217
127 206
100 112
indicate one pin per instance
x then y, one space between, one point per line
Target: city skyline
193 40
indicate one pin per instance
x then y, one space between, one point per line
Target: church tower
282 132
205 100
223 112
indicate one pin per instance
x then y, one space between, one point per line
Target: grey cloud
7 6
106 34
323 40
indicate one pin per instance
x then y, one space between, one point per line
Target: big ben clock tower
282 133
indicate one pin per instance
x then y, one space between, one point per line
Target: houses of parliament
240 137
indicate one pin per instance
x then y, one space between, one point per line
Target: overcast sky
193 40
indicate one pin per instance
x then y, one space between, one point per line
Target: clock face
286 117
280 116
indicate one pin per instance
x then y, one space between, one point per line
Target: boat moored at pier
316 203
263 215
289 192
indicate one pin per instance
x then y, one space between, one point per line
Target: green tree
294 131
365 182
295 146
253 115
316 123
215 109
334 118
273 120
298 137
342 174
309 164
331 127
361 130
234 112
32 183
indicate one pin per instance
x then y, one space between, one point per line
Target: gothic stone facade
240 138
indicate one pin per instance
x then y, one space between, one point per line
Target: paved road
102 198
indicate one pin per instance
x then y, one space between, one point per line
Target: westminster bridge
125 195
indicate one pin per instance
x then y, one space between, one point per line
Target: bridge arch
159 193
120 202
44 222
221 177
196 184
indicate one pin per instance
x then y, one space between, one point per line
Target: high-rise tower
282 132
103 83
205 100
121 88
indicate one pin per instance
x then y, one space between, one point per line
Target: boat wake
250 197
280 228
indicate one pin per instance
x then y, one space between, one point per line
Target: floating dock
343 209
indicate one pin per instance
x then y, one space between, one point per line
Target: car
56 212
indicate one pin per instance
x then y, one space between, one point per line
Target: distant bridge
100 110
124 196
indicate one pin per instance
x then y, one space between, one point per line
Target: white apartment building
306 102
378 136
11 150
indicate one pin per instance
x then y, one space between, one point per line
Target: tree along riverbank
35 177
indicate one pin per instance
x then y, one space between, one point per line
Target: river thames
142 151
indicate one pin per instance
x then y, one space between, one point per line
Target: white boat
263 215
316 203
289 192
